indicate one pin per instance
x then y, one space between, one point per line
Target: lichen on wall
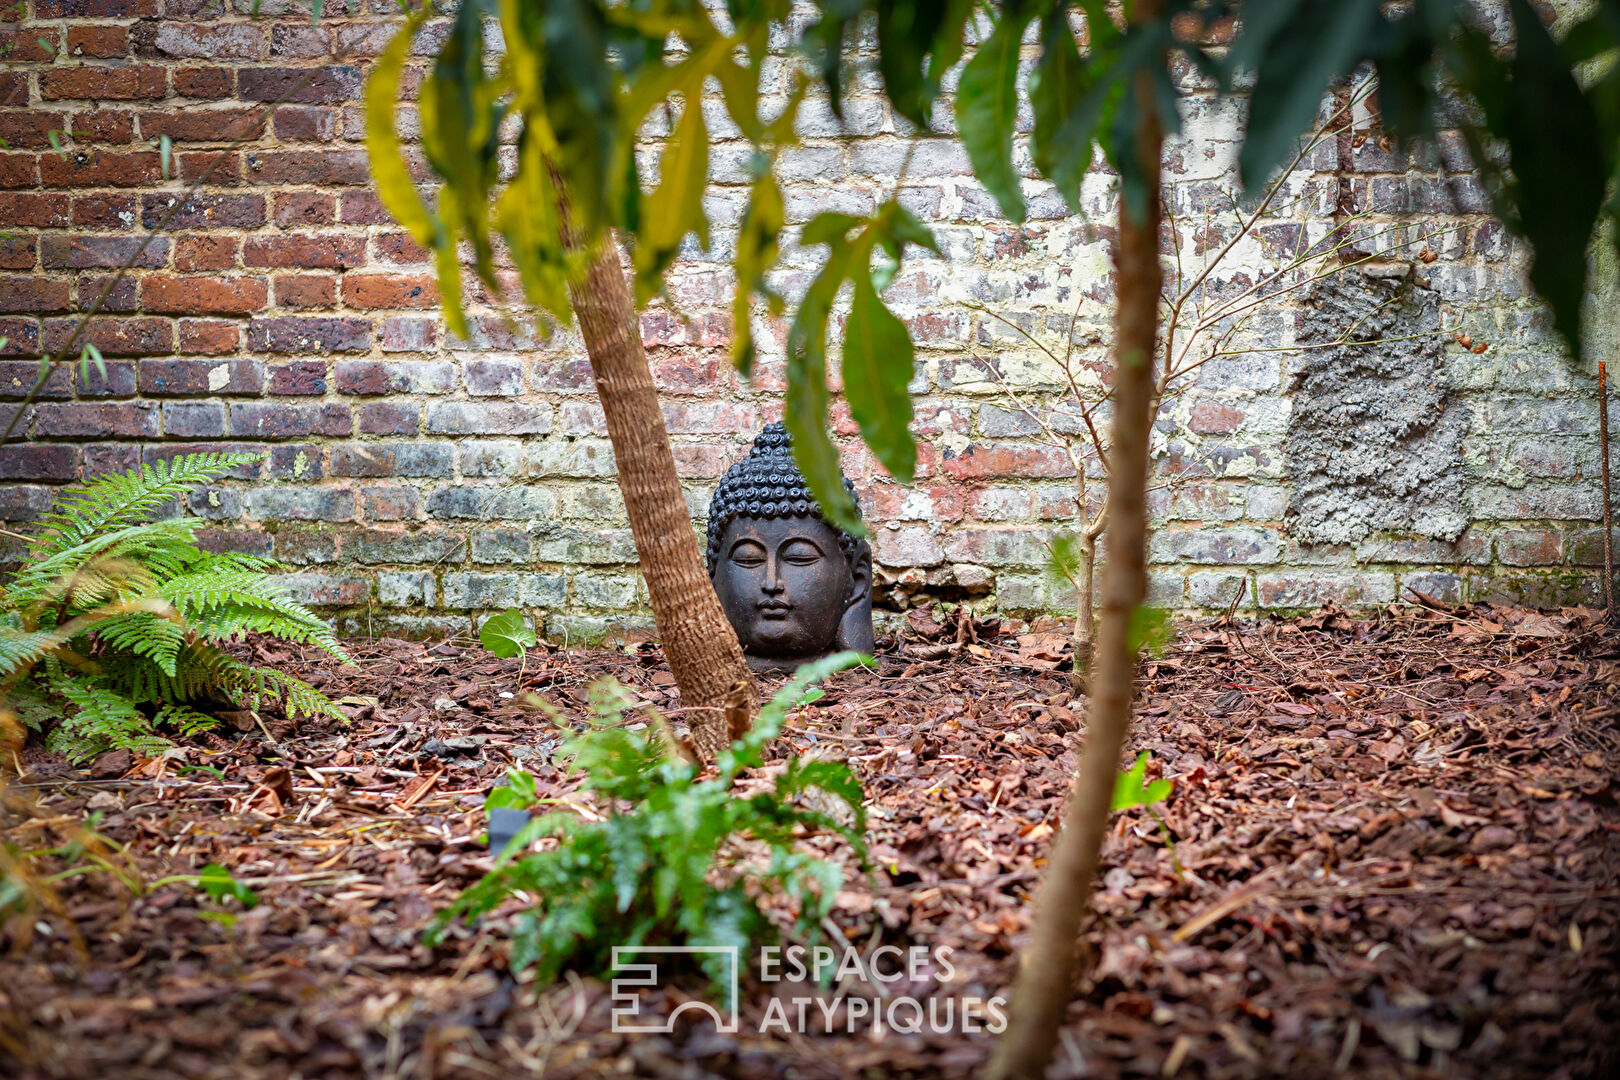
1375 437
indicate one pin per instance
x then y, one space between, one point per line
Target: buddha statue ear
855 628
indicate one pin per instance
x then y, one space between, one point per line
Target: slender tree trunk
1045 976
704 656
1085 620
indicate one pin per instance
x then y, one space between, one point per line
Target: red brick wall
413 478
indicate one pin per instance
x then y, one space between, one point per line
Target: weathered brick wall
414 479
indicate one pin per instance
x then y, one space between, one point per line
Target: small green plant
1130 791
115 621
506 635
662 865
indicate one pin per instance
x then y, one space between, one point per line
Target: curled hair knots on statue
768 484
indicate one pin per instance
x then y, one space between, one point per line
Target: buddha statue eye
800 552
748 553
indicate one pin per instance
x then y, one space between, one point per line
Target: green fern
140 611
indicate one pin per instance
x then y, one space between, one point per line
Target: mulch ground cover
1391 850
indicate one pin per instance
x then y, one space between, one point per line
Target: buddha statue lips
793 587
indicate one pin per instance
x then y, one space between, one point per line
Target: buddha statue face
793 587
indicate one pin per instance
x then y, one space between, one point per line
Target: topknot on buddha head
768 484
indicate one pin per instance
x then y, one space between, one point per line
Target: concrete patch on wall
1375 438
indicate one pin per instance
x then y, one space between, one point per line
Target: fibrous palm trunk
1046 971
717 691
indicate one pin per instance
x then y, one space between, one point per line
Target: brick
1221 547
309 335
1216 589
406 589
492 503
400 546
390 290
1213 418
18 253
1438 584
363 208
31 129
306 291
393 459
24 503
186 378
283 421
137 82
995 547
1530 547
981 461
496 546
501 590
298 461
103 458
114 336
181 39
409 333
332 167
21 336
13 88
493 378
33 294
205 83
121 294
117 380
470 418
27 46
28 211
389 418
324 590
127 419
19 170
391 503
211 337
193 295
1312 589
104 126
303 377
298 208
245 541
337 82
227 124
395 377
306 251
104 211
306 124
399 248
194 419
81 252
98 42
203 211
205 252
95 9
907 547
301 503
307 546
39 461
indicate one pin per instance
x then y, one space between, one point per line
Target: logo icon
627 1015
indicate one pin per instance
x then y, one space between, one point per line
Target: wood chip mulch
1391 850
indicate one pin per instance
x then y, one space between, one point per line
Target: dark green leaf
1309 44
987 111
878 366
506 635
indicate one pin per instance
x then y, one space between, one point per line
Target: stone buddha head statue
794 587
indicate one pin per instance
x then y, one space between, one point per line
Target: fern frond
185 719
251 686
102 720
20 650
142 553
118 499
144 634
221 604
